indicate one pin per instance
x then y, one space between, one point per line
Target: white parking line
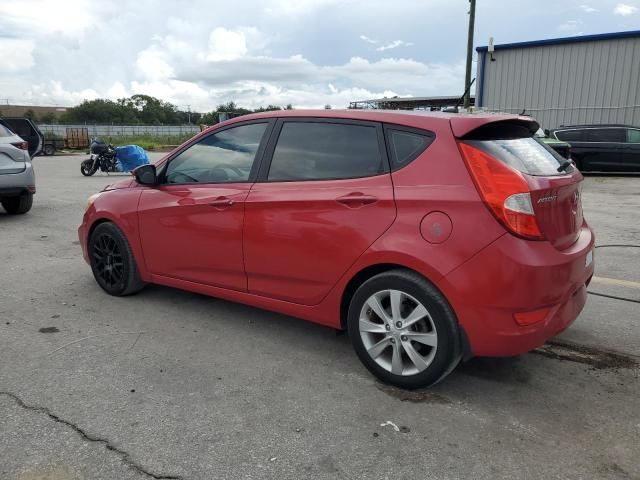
615 281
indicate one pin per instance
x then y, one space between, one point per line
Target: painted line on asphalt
617 282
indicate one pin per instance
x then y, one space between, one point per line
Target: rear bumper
12 184
514 276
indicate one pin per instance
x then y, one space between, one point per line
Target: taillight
504 190
21 145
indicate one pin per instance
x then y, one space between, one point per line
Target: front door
191 225
327 196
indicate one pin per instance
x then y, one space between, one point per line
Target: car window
224 157
633 136
605 135
406 146
569 135
323 151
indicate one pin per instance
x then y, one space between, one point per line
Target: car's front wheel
403 329
112 261
18 205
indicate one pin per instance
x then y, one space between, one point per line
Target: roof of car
460 123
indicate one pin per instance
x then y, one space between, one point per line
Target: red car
429 237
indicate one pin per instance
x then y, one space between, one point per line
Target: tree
48 117
30 114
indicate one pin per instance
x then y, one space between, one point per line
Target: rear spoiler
464 125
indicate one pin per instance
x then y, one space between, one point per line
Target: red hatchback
430 237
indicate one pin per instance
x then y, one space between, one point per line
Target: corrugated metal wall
575 83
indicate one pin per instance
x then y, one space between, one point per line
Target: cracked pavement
177 385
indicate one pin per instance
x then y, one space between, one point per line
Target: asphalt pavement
170 384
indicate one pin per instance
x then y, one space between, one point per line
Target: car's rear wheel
49 150
112 261
403 329
18 205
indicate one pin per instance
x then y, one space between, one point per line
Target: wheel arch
372 270
362 276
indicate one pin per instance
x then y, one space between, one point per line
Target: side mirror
146 175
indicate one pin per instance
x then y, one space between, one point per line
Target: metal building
589 79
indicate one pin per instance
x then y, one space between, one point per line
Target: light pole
467 77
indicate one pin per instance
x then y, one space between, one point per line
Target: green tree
30 114
48 117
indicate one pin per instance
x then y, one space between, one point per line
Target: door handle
221 203
356 200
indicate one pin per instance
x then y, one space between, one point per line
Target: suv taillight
504 190
21 145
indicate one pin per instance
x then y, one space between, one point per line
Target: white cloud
226 45
305 52
588 8
394 44
16 54
624 10
369 40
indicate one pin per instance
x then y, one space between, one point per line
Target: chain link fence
124 130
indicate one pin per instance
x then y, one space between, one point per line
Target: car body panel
205 234
292 228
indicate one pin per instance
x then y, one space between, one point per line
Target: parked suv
429 237
602 148
20 140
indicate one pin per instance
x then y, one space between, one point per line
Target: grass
148 142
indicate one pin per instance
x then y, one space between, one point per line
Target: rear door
321 200
606 146
28 131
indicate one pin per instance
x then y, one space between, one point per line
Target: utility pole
467 77
189 113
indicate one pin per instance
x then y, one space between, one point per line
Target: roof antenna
522 113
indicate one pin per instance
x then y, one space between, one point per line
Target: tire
18 205
112 261
437 354
87 168
49 150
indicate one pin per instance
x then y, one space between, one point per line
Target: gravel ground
169 384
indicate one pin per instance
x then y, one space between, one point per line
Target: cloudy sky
305 52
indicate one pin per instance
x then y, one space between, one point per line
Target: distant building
589 79
409 103
7 110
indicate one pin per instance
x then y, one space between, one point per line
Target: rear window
527 155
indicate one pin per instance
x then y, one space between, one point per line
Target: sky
201 53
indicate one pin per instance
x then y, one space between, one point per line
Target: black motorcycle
103 157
